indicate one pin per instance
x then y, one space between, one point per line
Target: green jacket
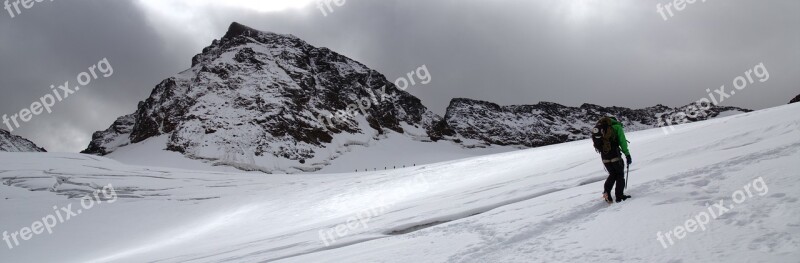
623 142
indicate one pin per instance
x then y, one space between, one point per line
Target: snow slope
533 205
394 150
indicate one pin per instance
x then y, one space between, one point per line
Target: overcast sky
607 52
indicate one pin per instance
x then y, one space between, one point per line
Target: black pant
616 173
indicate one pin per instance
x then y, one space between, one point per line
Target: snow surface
536 205
347 153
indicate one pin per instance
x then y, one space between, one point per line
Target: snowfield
537 205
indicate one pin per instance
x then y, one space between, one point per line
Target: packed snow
346 153
536 205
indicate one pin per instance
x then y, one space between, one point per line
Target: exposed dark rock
548 123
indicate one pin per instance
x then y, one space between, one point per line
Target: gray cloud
510 52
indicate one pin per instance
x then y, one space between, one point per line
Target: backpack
604 138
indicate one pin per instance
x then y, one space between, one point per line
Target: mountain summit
236 29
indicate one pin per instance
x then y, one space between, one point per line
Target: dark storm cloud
519 52
52 42
510 52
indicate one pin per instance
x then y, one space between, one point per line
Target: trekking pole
626 176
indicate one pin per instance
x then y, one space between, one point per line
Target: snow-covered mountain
260 101
550 123
795 100
254 100
535 205
14 143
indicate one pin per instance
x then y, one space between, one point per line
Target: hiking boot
607 198
623 198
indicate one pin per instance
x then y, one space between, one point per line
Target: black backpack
604 139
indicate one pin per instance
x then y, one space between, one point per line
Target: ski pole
626 176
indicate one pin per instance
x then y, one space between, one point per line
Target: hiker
609 140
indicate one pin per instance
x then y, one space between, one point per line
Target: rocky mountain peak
269 98
14 143
236 29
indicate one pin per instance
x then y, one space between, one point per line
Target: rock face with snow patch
13 143
548 123
118 135
795 100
